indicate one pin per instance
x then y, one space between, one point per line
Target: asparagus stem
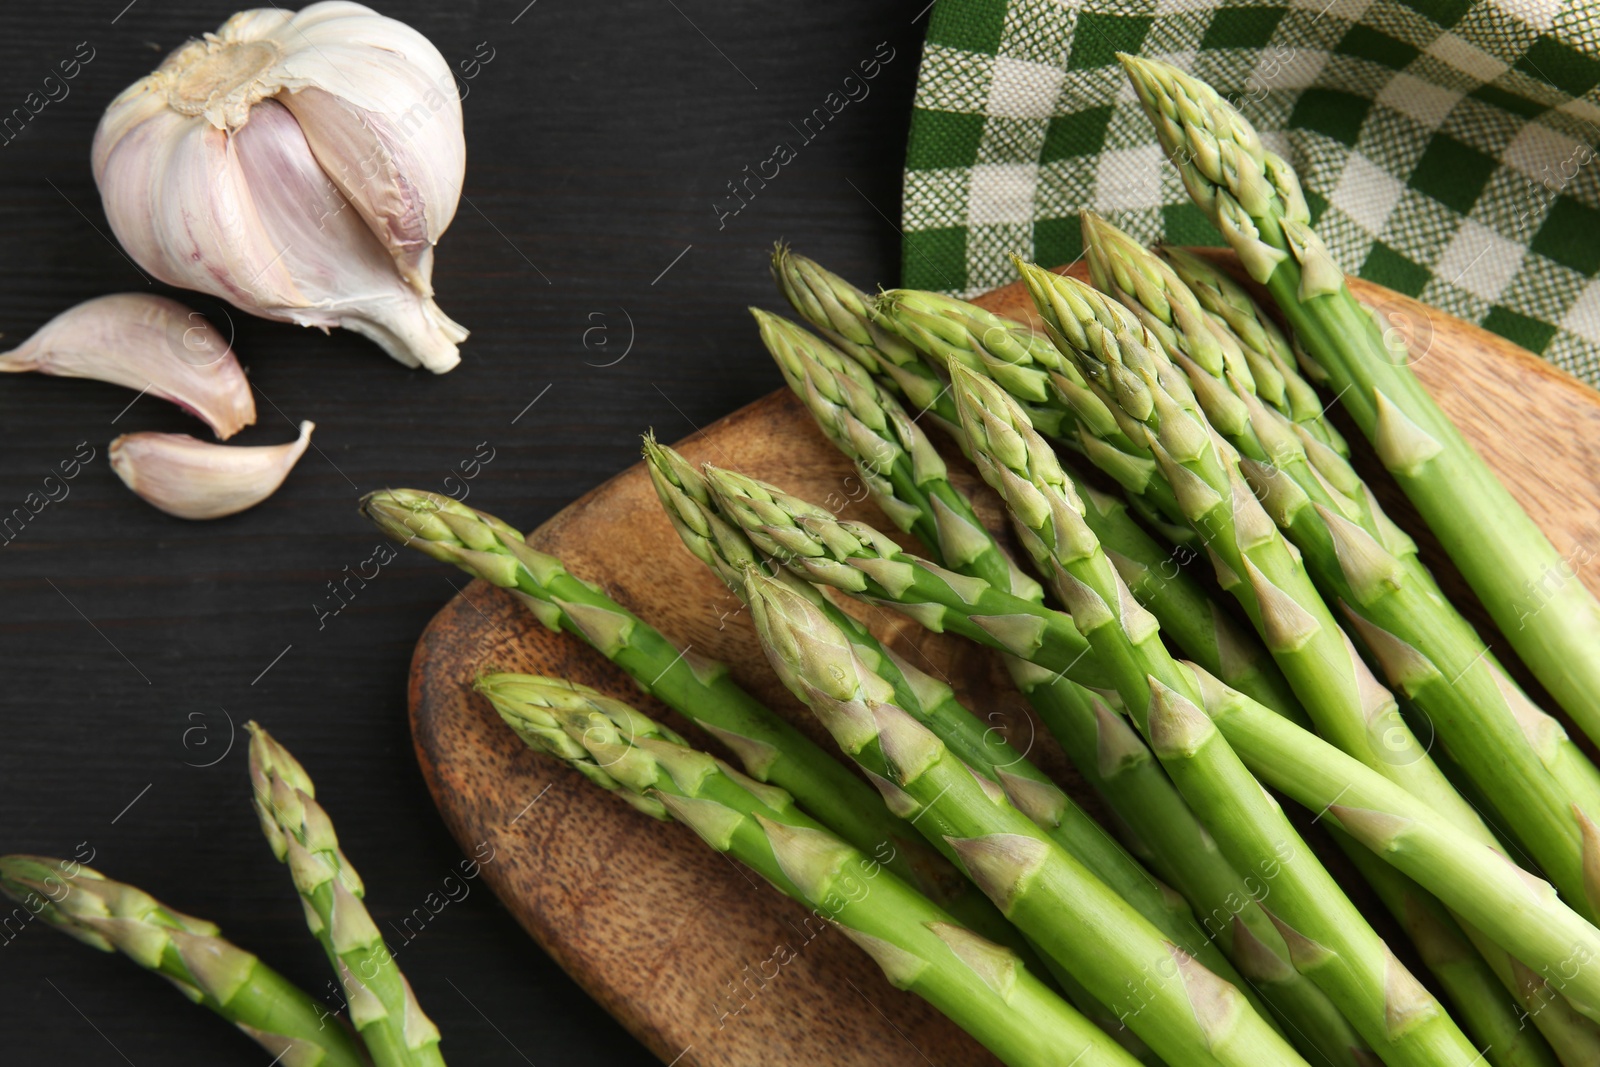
1517 910
1429 653
1328 940
1128 369
981 986
770 749
191 953
383 1008
1253 197
1185 1013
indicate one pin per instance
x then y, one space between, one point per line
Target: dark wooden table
605 297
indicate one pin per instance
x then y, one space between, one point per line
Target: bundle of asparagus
1161 416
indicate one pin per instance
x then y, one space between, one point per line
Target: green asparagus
382 1007
981 986
1254 198
843 314
188 952
1185 1013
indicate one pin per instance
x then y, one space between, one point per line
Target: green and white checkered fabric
1447 147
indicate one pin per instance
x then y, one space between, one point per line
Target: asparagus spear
981 986
1185 1013
189 952
1268 352
383 1008
1519 911
1328 940
770 749
857 417
1128 368
1253 197
1427 650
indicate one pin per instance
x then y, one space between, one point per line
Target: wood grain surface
676 941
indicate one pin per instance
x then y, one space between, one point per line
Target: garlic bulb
148 343
300 166
195 479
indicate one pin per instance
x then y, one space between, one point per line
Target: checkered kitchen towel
1447 147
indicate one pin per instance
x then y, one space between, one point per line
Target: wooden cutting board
700 961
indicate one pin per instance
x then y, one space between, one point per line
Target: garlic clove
195 479
148 343
388 134
344 276
185 212
391 194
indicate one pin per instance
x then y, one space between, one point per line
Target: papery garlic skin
148 343
358 110
196 479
